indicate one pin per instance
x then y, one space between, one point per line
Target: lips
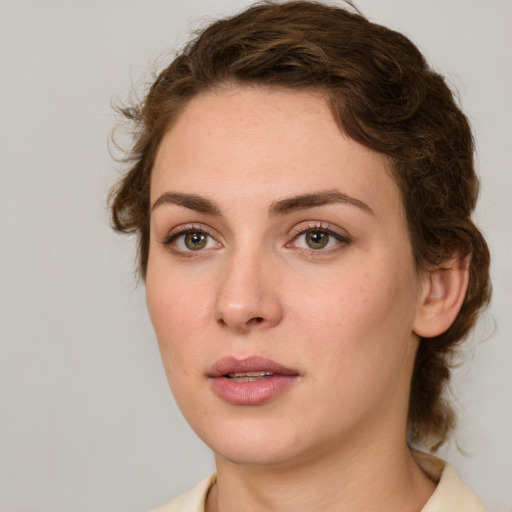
250 381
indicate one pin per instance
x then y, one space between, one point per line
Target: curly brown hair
382 94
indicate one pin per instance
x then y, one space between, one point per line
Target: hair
382 94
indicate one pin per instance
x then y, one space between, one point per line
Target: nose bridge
247 295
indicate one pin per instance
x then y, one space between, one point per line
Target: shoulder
451 495
192 500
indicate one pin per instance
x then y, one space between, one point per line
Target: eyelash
319 227
301 230
173 237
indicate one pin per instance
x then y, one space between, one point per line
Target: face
280 281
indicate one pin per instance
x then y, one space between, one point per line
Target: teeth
250 376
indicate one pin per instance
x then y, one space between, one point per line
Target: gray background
86 420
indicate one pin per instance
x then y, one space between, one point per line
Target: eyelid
303 227
183 229
342 236
300 229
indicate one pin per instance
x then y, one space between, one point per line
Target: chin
253 444
256 455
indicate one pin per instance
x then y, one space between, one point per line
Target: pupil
317 239
195 241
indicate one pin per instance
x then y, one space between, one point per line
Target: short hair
382 94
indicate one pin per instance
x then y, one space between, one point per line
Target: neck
380 480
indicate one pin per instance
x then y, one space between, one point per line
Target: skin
345 316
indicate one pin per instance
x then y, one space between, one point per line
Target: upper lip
229 365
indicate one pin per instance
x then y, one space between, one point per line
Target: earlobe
444 292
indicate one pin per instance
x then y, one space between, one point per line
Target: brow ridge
311 200
191 201
280 207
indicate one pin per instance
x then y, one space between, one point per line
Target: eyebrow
321 198
281 207
191 201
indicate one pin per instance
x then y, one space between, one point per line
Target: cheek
168 295
364 313
346 296
361 337
166 312
168 316
180 311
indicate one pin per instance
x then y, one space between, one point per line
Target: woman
302 188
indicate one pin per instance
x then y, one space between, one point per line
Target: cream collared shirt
451 495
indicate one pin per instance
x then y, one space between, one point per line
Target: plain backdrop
87 423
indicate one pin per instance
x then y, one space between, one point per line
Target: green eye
320 240
317 239
191 240
195 241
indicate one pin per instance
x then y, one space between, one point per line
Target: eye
318 238
195 241
191 240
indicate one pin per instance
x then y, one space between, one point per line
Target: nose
247 295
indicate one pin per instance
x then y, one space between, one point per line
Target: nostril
254 320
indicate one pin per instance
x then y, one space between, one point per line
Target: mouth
254 366
250 381
249 376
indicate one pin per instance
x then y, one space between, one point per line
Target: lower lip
251 393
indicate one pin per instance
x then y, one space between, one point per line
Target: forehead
247 142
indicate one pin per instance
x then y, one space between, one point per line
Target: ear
443 294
